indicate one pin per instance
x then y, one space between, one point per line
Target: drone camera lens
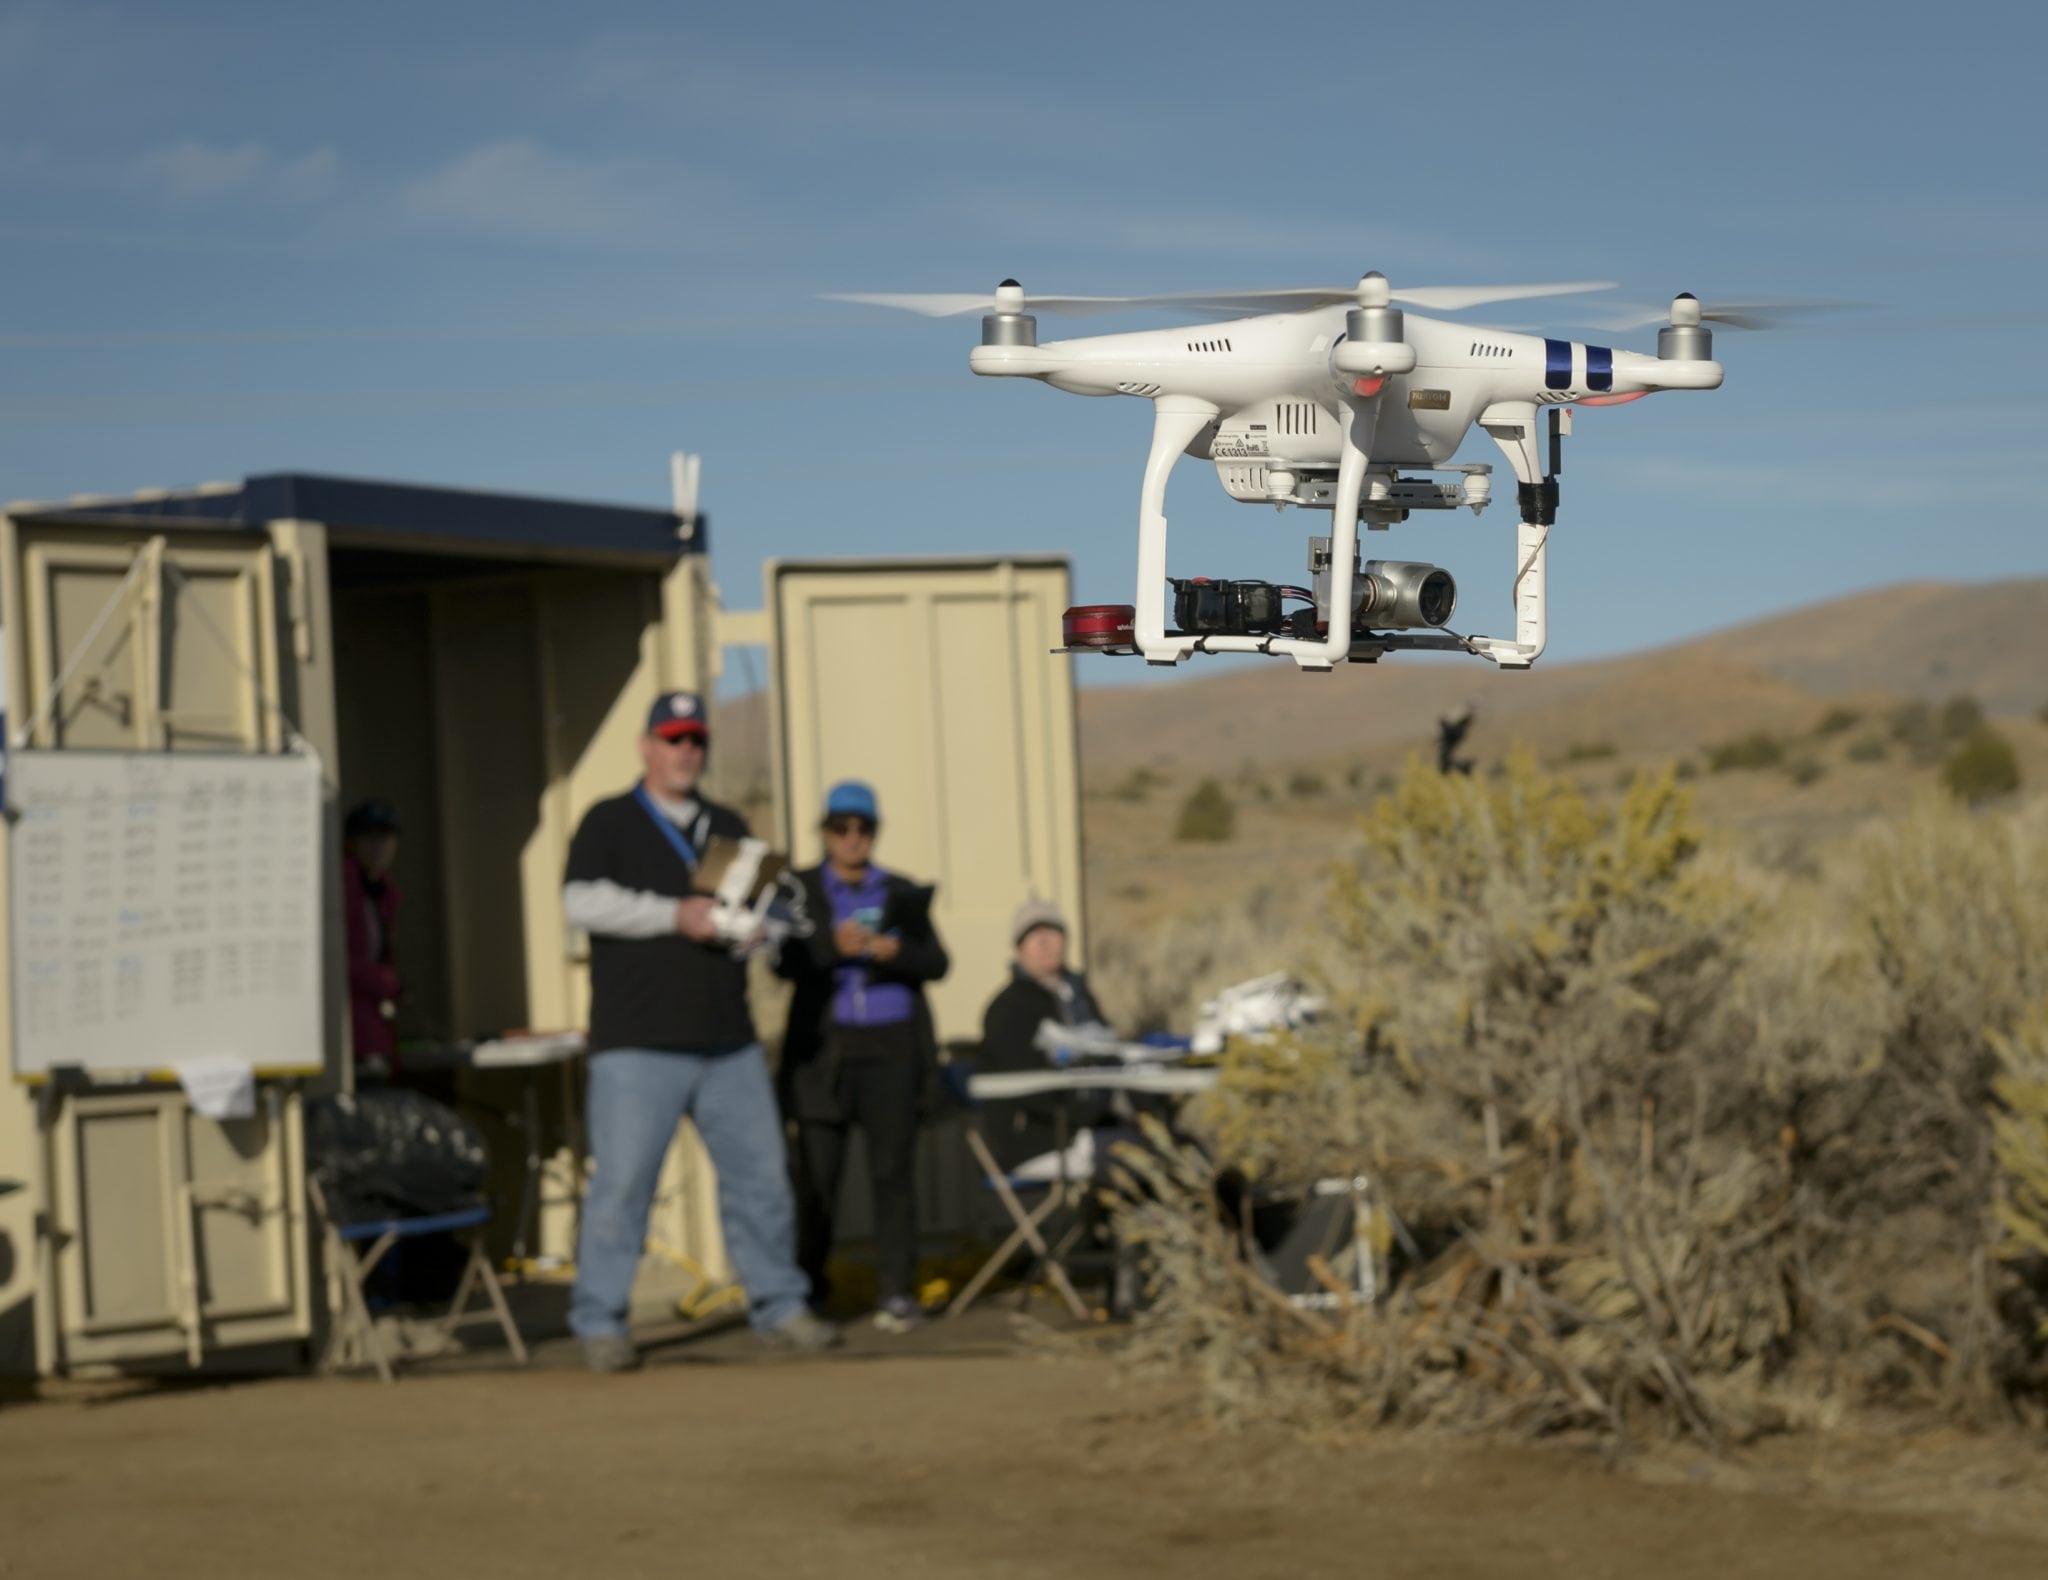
1437 597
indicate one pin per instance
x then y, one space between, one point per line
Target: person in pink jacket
370 905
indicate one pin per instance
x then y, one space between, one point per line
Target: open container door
163 1235
934 681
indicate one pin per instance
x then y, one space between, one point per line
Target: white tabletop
510 1053
999 1084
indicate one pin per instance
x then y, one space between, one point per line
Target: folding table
530 1055
1061 1188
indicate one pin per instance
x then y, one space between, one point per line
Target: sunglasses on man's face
848 825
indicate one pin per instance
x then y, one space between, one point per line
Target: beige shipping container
482 661
485 663
934 680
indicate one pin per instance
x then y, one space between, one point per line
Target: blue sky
519 248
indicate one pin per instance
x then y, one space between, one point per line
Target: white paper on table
1088 1039
219 1088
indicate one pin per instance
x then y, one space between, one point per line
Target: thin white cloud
518 190
1205 231
182 174
190 171
788 99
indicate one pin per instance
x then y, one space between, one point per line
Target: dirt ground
946 1454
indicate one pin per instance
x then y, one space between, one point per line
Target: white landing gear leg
1176 421
1361 419
1513 425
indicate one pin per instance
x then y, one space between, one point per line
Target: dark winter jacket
809 1075
370 924
1021 1128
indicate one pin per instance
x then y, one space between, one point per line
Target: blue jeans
637 1098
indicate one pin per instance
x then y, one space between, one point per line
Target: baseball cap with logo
676 714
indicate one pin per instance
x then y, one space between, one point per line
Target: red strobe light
1100 625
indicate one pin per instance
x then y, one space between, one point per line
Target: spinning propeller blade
950 304
1788 314
1456 298
1287 299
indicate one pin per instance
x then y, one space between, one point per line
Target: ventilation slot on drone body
1134 387
1295 417
1208 345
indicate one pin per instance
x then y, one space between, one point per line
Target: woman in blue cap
860 1049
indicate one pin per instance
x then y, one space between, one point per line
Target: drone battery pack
1226 608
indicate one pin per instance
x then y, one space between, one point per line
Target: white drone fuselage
1295 411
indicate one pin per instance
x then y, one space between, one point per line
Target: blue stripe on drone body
1557 364
1599 368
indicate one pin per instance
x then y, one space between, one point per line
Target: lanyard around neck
669 831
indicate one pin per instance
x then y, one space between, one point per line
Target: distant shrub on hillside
1803 771
1983 767
1959 716
1207 814
1755 750
1590 751
1914 726
1138 784
1839 719
1870 749
1302 783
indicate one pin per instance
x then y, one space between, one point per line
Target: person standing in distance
671 1037
860 1049
369 897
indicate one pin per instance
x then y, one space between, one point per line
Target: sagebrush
1672 1145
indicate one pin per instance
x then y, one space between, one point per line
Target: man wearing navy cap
671 1037
860 1049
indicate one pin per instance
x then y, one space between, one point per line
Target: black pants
877 1089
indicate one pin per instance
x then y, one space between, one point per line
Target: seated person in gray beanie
1041 988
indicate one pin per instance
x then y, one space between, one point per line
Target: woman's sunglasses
848 825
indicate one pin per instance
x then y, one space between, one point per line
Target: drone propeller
1785 314
953 304
1009 298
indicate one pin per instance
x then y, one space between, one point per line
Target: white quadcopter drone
1328 399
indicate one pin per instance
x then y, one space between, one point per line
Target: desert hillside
1932 640
1793 730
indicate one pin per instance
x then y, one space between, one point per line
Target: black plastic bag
385 1152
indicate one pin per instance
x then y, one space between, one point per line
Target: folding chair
1330 1254
1062 1188
358 1327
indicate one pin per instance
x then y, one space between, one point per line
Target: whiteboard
164 907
